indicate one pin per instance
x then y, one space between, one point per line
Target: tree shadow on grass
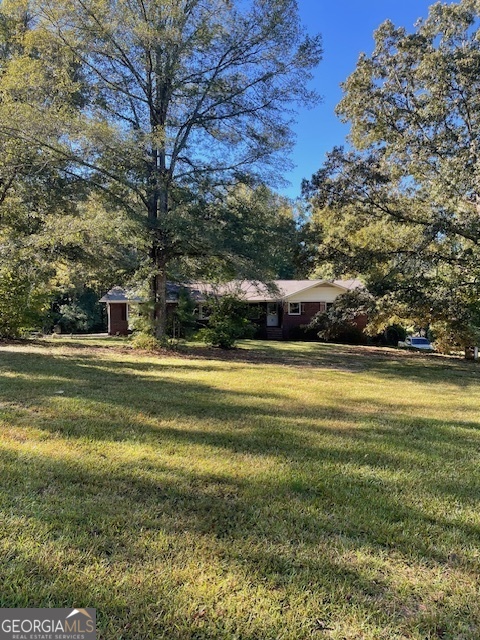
392 363
296 543
425 368
262 427
316 533
103 397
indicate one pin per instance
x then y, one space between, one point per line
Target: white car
416 342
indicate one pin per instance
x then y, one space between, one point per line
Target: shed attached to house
118 301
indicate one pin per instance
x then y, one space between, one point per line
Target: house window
294 308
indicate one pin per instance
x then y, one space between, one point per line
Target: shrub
229 321
146 342
339 322
303 333
452 339
393 334
141 318
389 337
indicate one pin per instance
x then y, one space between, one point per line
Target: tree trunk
160 295
159 178
159 261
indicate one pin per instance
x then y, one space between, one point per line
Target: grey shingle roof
253 291
250 290
118 294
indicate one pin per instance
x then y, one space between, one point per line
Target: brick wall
118 324
309 309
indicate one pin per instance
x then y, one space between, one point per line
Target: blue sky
347 28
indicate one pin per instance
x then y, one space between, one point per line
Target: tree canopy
167 104
402 206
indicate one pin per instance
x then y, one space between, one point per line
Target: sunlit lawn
286 491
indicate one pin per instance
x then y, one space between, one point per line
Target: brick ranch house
279 309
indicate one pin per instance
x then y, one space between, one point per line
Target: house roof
249 290
118 294
253 291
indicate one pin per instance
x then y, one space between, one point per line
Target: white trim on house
294 313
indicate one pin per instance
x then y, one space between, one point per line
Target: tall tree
181 99
50 221
30 184
403 207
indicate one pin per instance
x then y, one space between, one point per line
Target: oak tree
402 206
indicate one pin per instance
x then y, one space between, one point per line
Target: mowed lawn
281 492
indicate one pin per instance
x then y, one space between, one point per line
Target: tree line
142 140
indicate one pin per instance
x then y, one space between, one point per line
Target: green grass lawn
281 492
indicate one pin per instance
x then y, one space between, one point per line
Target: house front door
272 314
